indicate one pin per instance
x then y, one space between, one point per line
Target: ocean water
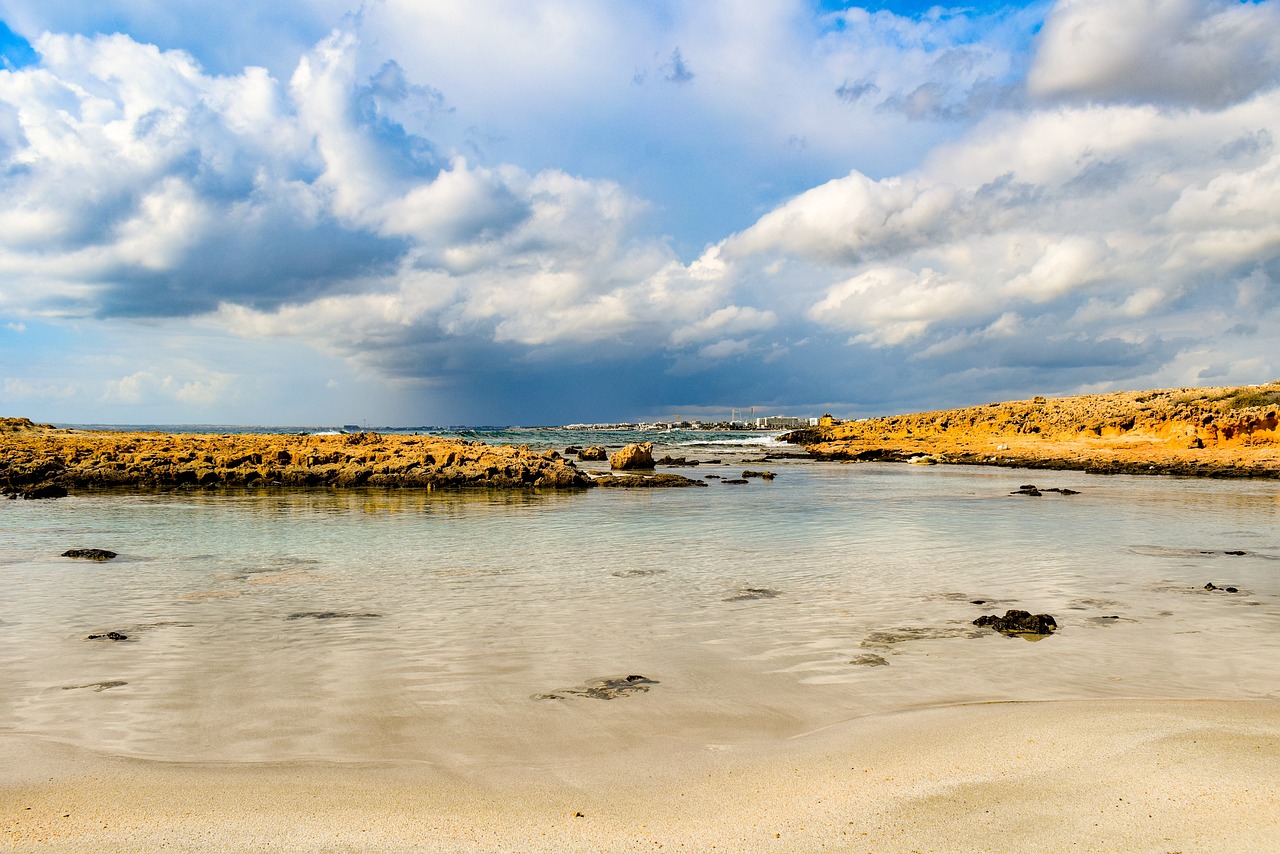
481 631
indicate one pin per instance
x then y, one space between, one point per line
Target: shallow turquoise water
758 610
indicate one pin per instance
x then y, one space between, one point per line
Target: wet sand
1123 775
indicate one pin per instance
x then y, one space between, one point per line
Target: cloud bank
556 211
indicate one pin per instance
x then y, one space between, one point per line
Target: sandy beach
1157 776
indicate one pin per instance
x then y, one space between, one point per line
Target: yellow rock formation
1205 431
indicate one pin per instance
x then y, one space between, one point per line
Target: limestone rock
1205 432
37 462
637 456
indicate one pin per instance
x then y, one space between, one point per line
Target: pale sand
1148 775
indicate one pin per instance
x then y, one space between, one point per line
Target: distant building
781 422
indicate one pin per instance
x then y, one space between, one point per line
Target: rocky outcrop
89 554
593 454
40 461
1019 623
1217 432
646 480
637 456
677 462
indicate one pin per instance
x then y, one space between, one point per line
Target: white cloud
439 191
1096 216
1206 53
730 320
22 390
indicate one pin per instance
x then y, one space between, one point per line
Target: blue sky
544 212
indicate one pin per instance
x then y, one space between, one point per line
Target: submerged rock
98 687
89 554
328 615
748 594
45 490
887 638
763 475
650 481
869 659
111 636
1019 623
637 573
610 688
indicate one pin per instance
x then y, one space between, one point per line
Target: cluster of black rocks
37 492
1035 492
89 554
1016 622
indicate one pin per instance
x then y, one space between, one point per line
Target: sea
485 631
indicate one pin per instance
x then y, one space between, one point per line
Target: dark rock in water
650 480
328 615
1212 586
1035 492
89 554
593 454
764 475
637 573
748 594
977 601
98 687
45 490
676 462
869 659
734 480
887 638
572 450
603 689
1235 553
712 477
1019 623
111 636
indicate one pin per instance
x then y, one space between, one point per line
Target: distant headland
1209 432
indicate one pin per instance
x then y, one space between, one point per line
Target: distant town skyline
558 211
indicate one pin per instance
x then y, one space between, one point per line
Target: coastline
1134 775
1203 432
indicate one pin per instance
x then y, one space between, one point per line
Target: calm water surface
760 612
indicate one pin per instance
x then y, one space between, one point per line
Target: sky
419 212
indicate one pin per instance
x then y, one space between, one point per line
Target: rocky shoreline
1196 432
43 461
